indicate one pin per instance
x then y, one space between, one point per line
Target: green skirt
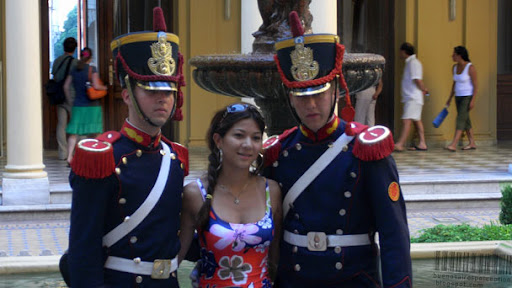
85 120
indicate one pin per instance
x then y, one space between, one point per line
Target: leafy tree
70 30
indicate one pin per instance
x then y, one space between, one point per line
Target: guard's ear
126 96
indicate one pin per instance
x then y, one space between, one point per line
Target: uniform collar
138 136
323 132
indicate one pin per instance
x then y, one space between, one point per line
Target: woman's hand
471 104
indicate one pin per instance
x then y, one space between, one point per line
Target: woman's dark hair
462 52
85 55
408 48
221 123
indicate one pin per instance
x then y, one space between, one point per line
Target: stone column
324 16
24 181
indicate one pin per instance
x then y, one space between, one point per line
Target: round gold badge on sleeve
394 191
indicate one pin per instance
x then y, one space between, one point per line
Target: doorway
98 22
367 26
504 86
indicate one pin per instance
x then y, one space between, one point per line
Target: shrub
506 205
464 232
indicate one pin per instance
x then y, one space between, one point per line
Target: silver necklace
237 197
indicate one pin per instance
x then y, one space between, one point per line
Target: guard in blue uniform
127 185
339 182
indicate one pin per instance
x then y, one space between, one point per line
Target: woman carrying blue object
464 88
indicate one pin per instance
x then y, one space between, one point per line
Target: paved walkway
50 237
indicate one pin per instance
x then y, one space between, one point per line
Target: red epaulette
109 136
272 146
182 153
94 159
371 144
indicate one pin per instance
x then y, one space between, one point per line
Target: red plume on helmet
295 24
159 20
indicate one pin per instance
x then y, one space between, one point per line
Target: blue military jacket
350 196
105 195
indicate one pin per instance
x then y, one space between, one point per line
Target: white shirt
463 84
413 70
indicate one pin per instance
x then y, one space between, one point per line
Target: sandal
450 149
468 148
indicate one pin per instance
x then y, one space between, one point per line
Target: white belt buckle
161 269
317 241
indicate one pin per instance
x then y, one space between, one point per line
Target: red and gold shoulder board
94 159
374 143
272 146
109 136
181 152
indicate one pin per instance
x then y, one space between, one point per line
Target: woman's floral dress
235 255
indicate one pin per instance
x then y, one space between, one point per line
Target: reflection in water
54 280
34 280
424 273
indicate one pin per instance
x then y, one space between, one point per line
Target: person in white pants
365 104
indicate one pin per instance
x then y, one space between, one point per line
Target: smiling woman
238 212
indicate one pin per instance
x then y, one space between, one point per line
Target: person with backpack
60 69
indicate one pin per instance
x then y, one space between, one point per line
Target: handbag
92 93
440 118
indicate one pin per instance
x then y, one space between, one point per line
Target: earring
257 164
220 160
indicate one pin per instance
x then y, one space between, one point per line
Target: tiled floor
495 159
50 237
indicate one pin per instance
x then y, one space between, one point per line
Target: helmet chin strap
136 103
333 106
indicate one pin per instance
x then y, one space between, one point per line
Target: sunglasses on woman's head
235 108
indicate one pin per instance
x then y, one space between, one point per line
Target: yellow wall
426 25
203 30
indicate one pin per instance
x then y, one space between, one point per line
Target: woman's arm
451 95
452 92
67 87
472 74
192 202
277 212
96 82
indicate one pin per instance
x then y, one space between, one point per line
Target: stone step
420 192
453 191
453 201
454 183
35 212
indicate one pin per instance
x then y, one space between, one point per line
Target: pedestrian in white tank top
464 88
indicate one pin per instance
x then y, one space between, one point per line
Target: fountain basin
255 76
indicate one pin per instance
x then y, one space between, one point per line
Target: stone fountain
255 75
